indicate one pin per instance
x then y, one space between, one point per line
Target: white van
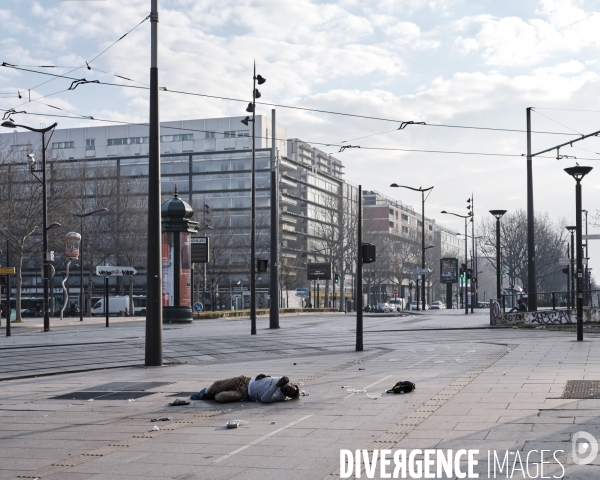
397 304
116 305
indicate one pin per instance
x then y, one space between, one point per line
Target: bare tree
550 246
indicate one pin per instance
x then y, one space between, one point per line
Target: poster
168 285
185 274
449 270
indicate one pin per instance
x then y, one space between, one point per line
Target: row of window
228 134
90 143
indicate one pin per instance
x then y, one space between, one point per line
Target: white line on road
369 386
415 364
254 442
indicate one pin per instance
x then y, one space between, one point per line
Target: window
177 138
419 223
236 133
391 212
404 229
209 134
391 224
405 217
90 144
128 141
63 145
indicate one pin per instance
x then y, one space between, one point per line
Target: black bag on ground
402 387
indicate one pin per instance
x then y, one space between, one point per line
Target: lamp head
9 124
246 121
578 172
443 211
394 185
571 229
498 213
260 80
257 93
250 108
31 158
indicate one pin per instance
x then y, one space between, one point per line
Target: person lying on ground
263 388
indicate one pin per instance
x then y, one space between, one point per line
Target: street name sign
567 261
7 270
421 271
114 271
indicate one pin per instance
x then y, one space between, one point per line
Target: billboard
449 270
318 271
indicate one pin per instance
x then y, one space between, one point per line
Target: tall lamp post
81 296
571 280
206 227
422 190
586 276
46 255
466 217
578 173
251 108
498 214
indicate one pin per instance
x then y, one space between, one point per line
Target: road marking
369 386
254 442
414 365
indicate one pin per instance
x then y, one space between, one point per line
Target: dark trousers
230 389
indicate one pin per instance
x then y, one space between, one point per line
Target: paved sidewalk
486 389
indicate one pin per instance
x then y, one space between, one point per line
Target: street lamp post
466 217
498 214
578 173
571 280
251 108
45 228
81 296
422 190
586 277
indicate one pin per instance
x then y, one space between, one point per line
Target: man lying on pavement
263 388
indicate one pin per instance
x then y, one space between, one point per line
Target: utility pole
273 277
154 355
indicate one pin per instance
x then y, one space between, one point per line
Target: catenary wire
485 154
329 112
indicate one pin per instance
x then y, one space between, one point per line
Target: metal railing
551 300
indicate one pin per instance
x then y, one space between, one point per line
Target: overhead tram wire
87 64
449 152
555 121
328 112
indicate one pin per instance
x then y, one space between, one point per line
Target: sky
456 63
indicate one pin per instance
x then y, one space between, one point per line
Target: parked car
413 306
384 308
437 305
396 304
31 313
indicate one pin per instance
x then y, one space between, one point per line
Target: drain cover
582 389
127 386
84 395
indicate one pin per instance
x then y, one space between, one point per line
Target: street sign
200 249
594 236
421 271
568 261
395 291
197 307
318 271
7 270
302 292
114 271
